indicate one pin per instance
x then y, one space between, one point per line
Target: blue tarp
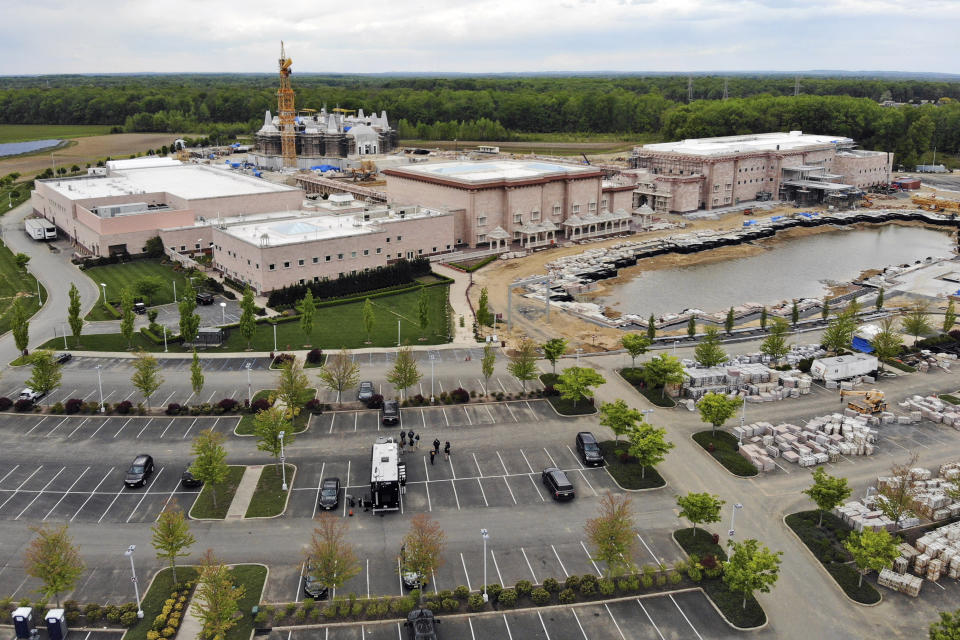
211 156
325 167
749 223
861 344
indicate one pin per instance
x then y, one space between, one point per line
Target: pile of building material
859 516
930 496
754 381
933 409
902 582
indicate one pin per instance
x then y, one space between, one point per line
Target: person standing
410 438
432 455
403 439
446 450
417 441
436 445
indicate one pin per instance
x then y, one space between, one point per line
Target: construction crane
585 161
871 401
286 112
343 111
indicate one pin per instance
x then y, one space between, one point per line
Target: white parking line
588 482
455 496
619 630
649 550
187 432
465 574
65 493
500 382
15 467
474 462
552 461
507 624
536 487
595 567
145 427
356 418
317 502
97 430
427 484
656 628
92 493
167 401
400 575
496 566
110 506
121 427
577 618
544 625
509 489
210 399
575 457
145 492
467 413
483 493
527 461
505 472
512 414
444 411
534 413
333 416
473 636
42 420
50 433
492 419
170 424
10 497
423 419
529 566
563 568
40 493
692 628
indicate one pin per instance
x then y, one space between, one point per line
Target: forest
499 107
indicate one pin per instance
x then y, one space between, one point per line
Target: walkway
192 626
459 303
241 499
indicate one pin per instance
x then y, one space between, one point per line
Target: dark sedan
329 494
139 472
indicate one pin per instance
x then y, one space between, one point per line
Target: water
16 148
790 269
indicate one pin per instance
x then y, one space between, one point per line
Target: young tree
196 374
189 320
825 310
775 344
651 328
404 372
52 559
763 318
368 319
709 353
828 492
307 309
728 322
717 408
267 425
612 534
171 537
487 363
794 314
21 260
553 349
916 322
46 374
839 333
523 365
217 598
146 376
648 444
330 555
887 342
423 311
423 548
484 317
620 418
896 495
292 387
879 302
73 312
148 286
209 460
636 345
340 373
872 550
663 370
751 568
692 327
20 325
947 627
248 320
700 508
126 315
949 317
576 383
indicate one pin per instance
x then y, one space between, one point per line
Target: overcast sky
98 36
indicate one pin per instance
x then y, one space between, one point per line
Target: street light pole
579 350
486 536
39 297
249 388
64 336
274 337
100 385
398 334
432 358
174 290
223 312
743 414
733 517
164 338
283 466
133 578
103 285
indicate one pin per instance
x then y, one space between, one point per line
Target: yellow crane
870 402
286 112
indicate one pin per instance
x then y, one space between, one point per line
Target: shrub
259 619
461 592
128 619
567 596
475 602
313 406
493 590
694 573
450 604
57 408
415 594
173 409
92 612
113 613
260 404
508 598
460 395
228 404
606 586
123 408
675 577
572 582
375 401
281 359
315 356
540 595
588 588
523 587
168 632
73 405
5 403
153 635
646 580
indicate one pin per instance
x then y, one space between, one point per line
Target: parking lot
113 428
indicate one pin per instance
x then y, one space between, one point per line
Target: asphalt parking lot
211 315
436 417
113 428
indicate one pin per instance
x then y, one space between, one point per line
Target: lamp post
133 578
283 466
433 357
174 290
103 285
398 334
64 336
249 388
223 312
743 415
486 536
39 297
579 351
274 337
733 517
164 338
100 386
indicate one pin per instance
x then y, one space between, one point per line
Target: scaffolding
286 112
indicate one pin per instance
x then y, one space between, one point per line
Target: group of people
412 440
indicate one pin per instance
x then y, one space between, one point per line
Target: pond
795 268
16 148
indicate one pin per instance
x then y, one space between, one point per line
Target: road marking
529 566
423 419
345 491
78 427
102 423
36 425
507 624
356 417
649 550
472 634
619 630
535 416
509 489
190 428
121 427
467 413
483 493
577 618
317 501
536 487
400 575
595 567
455 496
575 457
474 462
167 401
433 577
145 427
444 411
65 493
92 493
10 497
492 419
544 625
512 414
564 569
104 514
588 482
552 461
465 574
496 566
187 401
427 485
525 460
40 493
503 465
145 492
210 399
333 416
500 382
688 619
656 628
482 386
50 433
8 473
170 424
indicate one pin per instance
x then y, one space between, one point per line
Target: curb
717 462
833 580
223 519
621 487
285 503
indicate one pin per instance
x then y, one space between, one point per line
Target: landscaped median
565 406
723 447
626 471
204 508
270 499
656 395
262 401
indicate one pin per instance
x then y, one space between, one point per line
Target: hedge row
91 614
400 272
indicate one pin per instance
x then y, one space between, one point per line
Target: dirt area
89 149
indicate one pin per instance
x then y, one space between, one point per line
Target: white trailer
40 229
843 367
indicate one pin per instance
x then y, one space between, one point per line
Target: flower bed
164 605
723 447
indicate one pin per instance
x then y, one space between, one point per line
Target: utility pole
725 93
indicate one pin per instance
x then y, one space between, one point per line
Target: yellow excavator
869 402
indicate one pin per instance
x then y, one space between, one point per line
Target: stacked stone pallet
859 516
937 553
755 381
930 495
904 583
933 409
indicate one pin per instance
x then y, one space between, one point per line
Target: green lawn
118 276
563 406
300 421
251 577
99 312
725 452
628 473
27 132
108 342
160 589
15 282
270 499
9 201
203 507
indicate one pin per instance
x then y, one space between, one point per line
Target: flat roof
782 141
481 171
188 181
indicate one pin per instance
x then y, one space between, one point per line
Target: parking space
84 363
211 315
86 493
112 428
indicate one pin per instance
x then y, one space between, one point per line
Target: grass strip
564 406
300 421
203 507
152 603
725 451
269 498
251 577
656 396
627 472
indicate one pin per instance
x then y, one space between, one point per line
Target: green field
270 499
27 132
118 276
203 507
15 282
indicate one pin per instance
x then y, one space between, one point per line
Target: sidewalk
241 499
192 626
458 302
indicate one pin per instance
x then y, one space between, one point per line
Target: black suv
311 587
189 481
139 472
63 357
329 493
204 297
588 449
557 483
421 625
391 412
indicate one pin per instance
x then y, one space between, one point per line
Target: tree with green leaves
523 365
189 320
898 494
717 408
651 328
661 371
576 383
728 322
340 373
872 550
147 287
648 444
146 376
267 426
46 373
368 319
825 310
763 319
423 312
484 317
839 333
217 598
692 327
171 537
751 568
307 309
636 345
619 418
709 353
209 460
404 372
612 534
700 508
879 301
916 322
487 363
196 374
794 314
775 344
330 556
153 247
947 627
887 342
127 316
21 260
73 312
293 387
422 550
949 316
52 558
248 316
828 492
20 325
553 349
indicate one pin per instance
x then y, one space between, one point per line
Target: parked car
391 412
30 394
421 625
557 483
139 308
589 449
188 481
411 579
140 471
329 494
62 357
365 392
312 588
204 297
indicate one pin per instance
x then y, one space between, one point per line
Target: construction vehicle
585 160
933 203
871 402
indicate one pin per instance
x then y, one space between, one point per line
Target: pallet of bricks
756 382
933 409
930 496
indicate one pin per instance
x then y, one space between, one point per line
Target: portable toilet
56 624
23 622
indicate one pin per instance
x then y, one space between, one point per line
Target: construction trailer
388 476
40 229
843 367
